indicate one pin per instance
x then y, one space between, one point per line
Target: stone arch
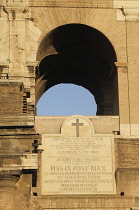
82 55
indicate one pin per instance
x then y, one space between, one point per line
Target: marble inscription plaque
77 165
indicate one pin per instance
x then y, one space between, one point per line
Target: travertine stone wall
72 3
24 24
113 30
52 125
23 42
133 73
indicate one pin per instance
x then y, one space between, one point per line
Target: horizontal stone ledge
19 161
17 154
100 208
65 3
16 168
16 120
85 201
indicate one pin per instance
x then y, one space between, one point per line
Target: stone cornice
126 4
129 8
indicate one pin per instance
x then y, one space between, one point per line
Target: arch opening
66 100
81 55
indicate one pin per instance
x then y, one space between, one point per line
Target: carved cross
77 124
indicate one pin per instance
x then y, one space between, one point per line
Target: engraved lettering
77 165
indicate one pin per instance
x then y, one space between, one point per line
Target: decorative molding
122 67
132 14
15 9
130 9
118 64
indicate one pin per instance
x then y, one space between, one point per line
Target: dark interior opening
81 55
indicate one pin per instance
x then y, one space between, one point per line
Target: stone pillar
124 106
7 192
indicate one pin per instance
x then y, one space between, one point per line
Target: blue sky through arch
66 100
